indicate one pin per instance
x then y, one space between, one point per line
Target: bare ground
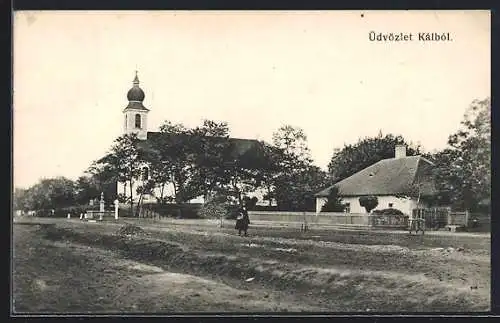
188 268
69 277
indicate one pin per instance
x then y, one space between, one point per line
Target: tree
192 160
294 178
293 142
49 193
334 202
463 170
91 184
353 158
20 199
213 156
368 202
168 159
123 163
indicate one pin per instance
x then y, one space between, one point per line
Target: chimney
400 151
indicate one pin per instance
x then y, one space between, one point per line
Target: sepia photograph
222 162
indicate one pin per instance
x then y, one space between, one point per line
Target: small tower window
145 173
126 122
138 121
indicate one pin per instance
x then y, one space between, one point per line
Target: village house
400 183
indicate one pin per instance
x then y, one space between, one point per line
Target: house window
347 208
390 205
138 121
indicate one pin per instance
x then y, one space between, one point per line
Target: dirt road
73 278
195 268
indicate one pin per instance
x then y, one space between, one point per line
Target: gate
435 218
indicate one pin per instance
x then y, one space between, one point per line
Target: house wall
406 205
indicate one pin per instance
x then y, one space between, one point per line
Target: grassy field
71 266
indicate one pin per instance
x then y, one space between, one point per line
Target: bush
368 202
388 212
334 202
184 211
213 210
250 203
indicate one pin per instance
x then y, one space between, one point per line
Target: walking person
242 221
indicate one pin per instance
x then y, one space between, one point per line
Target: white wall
169 190
129 121
320 201
406 205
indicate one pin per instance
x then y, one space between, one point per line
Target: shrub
389 211
250 203
368 202
334 203
185 211
213 210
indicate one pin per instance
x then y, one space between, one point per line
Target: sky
316 70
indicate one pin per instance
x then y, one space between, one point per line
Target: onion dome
135 96
136 93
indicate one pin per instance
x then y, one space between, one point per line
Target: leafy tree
294 178
293 142
334 202
463 170
353 158
213 155
124 163
20 199
192 160
90 186
49 193
169 160
368 202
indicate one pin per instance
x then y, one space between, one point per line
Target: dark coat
242 224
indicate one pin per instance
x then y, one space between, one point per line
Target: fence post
449 216
116 209
466 218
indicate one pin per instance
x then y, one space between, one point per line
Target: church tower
136 114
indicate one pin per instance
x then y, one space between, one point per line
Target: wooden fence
435 218
310 218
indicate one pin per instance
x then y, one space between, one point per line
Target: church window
126 121
138 121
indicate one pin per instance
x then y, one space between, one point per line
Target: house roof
387 177
248 152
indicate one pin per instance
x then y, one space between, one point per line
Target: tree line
199 161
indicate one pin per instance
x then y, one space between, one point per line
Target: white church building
135 120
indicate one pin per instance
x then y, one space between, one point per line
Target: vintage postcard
251 162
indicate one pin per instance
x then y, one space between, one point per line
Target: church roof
387 177
246 152
136 106
135 95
